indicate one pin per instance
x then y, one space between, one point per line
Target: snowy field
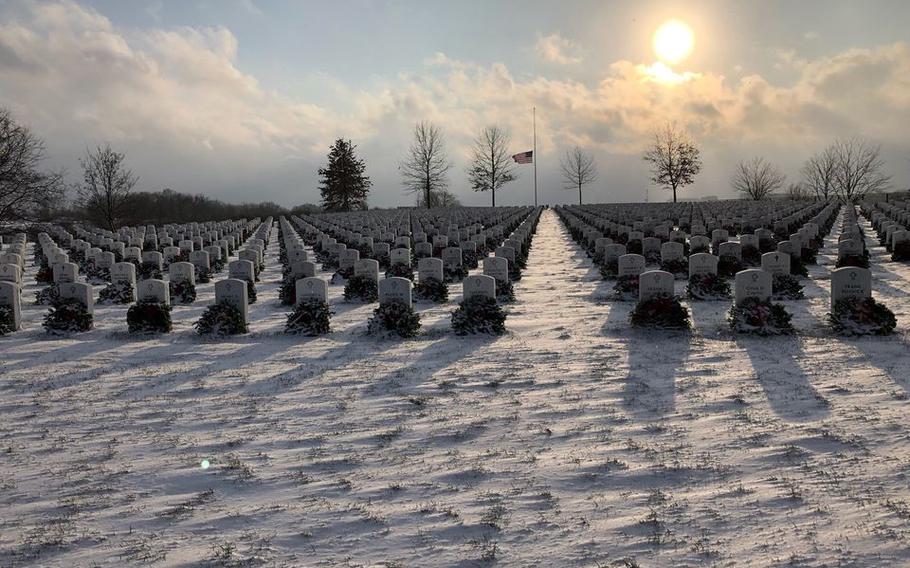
570 441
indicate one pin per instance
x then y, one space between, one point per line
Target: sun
673 41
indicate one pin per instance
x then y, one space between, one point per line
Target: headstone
730 249
849 247
154 258
850 282
154 290
699 242
79 291
451 256
630 265
497 267
312 289
9 296
752 283
383 249
347 259
653 284
65 272
367 267
429 268
183 272
242 270
400 256
200 259
671 251
422 250
105 260
775 263
650 245
395 290
507 253
613 252
480 285
233 292
11 273
132 253
702 263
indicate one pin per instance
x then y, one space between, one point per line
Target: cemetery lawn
571 440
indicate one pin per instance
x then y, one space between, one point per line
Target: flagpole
535 156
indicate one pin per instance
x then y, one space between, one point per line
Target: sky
241 99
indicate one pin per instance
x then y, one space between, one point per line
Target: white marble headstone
752 283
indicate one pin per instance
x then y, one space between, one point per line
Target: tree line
848 169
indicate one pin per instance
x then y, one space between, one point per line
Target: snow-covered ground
571 441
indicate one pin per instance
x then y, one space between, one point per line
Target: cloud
190 118
557 49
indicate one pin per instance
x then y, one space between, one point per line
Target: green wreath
786 287
432 290
310 317
660 312
394 318
479 314
149 316
182 291
67 316
7 320
862 316
901 252
760 317
116 293
47 295
361 288
626 287
504 291
219 320
148 271
708 287
401 271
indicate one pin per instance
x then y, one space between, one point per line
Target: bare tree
578 169
819 173
674 158
441 198
757 178
425 168
106 185
858 170
799 191
24 188
491 166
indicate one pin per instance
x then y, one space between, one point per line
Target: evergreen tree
343 185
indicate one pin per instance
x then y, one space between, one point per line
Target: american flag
524 157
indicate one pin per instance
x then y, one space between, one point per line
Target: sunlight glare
673 41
